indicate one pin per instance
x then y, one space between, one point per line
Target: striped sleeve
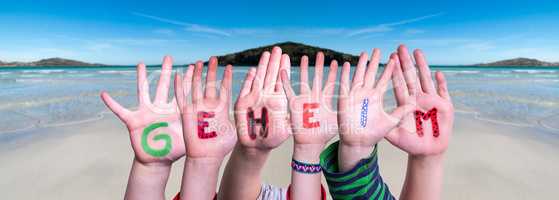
361 182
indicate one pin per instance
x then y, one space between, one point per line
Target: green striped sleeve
361 182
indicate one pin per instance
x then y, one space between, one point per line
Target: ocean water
33 98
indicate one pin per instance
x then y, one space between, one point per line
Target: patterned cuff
305 168
361 182
178 197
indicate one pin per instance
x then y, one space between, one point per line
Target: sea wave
50 71
127 72
534 71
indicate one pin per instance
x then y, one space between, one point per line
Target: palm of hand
155 128
363 117
156 137
411 140
312 121
263 129
201 142
428 130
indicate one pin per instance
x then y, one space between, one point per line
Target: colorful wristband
305 167
178 197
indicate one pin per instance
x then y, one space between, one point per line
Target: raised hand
262 125
314 123
313 118
261 109
425 134
208 131
361 113
428 130
155 128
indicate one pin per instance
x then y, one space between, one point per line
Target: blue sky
126 32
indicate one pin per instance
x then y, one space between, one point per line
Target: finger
382 83
329 87
162 92
400 112
287 85
143 85
197 82
304 85
409 71
211 78
372 69
179 92
442 86
424 72
187 80
393 136
318 70
360 71
114 106
248 82
183 86
285 64
344 80
398 82
258 81
227 81
273 70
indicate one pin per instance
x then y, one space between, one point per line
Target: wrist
152 168
350 155
355 151
251 153
203 162
199 179
426 161
308 153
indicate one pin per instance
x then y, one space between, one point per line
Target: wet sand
92 161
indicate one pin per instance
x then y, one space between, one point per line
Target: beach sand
92 161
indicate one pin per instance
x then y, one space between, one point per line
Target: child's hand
427 131
313 121
313 118
155 128
361 114
261 109
208 132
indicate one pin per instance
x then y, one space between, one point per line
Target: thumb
393 136
114 106
400 112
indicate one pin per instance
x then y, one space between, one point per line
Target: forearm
306 185
147 181
199 179
242 176
423 178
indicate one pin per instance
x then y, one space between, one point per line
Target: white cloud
205 29
386 27
300 31
374 29
188 26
